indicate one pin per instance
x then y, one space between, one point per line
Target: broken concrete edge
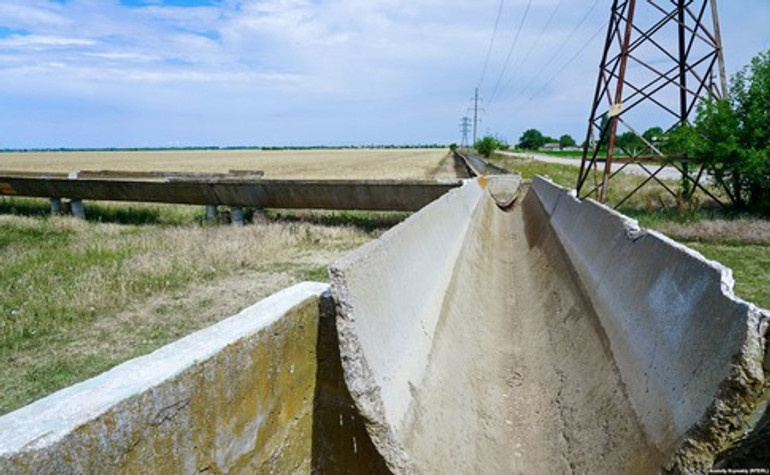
741 402
504 189
425 244
740 399
361 384
124 397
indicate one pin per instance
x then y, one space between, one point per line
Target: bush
488 144
731 137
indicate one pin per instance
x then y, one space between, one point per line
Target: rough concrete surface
502 341
375 195
234 398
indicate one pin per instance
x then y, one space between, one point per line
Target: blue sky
136 73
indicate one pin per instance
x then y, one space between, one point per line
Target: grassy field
741 242
79 297
309 164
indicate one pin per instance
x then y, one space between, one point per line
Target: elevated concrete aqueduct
491 332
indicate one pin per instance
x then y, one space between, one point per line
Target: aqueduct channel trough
491 332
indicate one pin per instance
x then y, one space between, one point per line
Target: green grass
564 175
122 213
750 265
78 297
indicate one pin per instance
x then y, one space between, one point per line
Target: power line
510 52
566 65
558 50
539 37
491 43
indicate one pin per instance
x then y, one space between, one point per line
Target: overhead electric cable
539 37
491 43
566 65
510 52
558 50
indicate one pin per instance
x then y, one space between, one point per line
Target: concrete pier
77 208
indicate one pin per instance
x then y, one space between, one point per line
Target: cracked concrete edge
83 423
361 382
359 374
504 189
740 404
741 399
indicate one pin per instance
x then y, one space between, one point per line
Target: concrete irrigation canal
501 329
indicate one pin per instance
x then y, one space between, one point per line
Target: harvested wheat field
307 164
77 298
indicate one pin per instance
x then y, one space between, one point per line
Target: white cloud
42 42
31 15
402 62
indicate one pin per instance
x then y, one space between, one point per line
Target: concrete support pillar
55 206
211 212
78 210
236 216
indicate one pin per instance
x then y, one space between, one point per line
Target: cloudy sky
137 73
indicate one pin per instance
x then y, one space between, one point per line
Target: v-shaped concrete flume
550 336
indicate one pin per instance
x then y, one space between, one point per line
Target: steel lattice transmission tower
661 58
465 128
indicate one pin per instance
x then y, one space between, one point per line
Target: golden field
309 164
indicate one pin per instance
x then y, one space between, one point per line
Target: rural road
668 173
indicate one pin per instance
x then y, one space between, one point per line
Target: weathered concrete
477 166
477 339
690 353
234 190
236 216
211 212
77 208
261 392
56 206
234 398
341 444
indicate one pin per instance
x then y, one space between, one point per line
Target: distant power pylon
465 128
476 110
659 62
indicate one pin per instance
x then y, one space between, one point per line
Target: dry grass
740 231
76 297
309 164
79 297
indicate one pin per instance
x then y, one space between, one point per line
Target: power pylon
465 127
476 110
659 62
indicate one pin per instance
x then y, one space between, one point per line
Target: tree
731 137
487 144
653 135
532 139
629 142
566 141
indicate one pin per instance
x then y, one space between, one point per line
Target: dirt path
668 173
